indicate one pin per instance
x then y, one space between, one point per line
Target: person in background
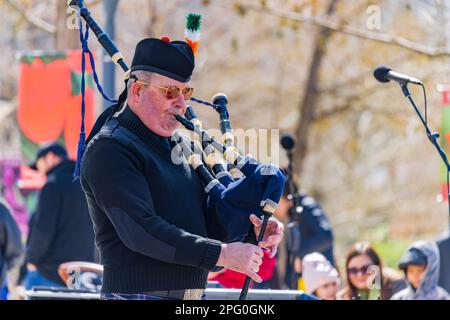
444 258
11 250
308 230
61 228
320 277
366 277
421 266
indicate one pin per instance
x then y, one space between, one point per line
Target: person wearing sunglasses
157 239
366 278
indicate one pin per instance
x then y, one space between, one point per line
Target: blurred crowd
61 231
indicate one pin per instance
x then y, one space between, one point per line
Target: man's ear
135 91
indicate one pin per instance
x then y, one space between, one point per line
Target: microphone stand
433 137
292 228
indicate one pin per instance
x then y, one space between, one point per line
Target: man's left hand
272 235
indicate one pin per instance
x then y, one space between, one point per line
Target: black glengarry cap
173 59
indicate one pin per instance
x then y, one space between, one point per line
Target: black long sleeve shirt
62 230
315 230
150 218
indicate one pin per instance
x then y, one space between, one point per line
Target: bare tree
66 37
309 101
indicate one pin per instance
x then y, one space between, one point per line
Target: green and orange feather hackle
192 30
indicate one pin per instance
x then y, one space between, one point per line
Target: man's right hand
242 257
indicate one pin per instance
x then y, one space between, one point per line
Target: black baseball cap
413 256
54 148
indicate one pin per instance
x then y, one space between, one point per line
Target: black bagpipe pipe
220 100
115 54
264 178
212 160
106 42
257 192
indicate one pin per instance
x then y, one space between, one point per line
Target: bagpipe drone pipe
258 191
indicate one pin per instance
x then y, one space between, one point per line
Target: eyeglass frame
166 89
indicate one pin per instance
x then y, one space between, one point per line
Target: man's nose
181 103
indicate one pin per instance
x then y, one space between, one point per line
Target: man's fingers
280 229
254 266
255 220
258 261
265 244
270 241
276 239
273 252
258 252
254 276
276 226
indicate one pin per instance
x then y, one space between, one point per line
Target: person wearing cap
320 277
60 229
157 239
421 266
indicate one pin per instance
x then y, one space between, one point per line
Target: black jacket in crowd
61 230
151 223
310 232
444 270
315 230
11 249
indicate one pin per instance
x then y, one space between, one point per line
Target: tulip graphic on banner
50 99
445 135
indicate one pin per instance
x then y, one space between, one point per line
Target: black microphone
287 141
385 74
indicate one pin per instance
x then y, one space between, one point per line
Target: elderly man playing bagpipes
158 232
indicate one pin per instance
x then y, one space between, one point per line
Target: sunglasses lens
187 93
363 270
352 271
172 92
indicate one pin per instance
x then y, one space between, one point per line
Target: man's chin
168 131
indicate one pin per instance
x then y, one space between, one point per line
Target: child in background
320 277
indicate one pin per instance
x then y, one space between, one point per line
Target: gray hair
141 75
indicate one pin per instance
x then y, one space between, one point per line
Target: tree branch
320 116
37 22
367 35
